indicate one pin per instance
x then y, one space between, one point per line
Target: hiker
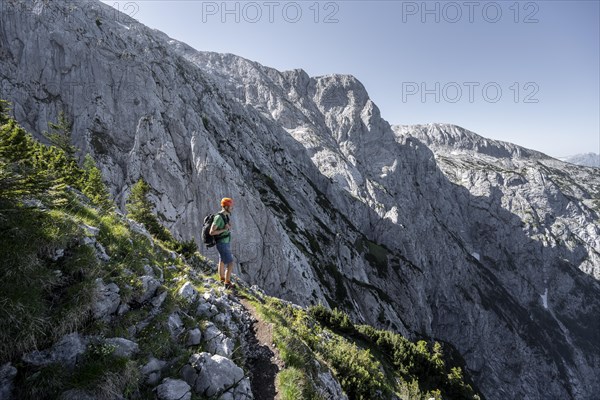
220 228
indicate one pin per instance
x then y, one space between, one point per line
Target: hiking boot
229 285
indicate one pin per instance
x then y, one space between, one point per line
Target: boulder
206 310
188 292
149 286
215 374
65 352
157 301
175 325
152 371
216 341
194 337
174 389
148 270
243 391
123 308
106 299
329 387
123 347
139 228
7 376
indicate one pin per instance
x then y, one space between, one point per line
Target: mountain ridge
584 159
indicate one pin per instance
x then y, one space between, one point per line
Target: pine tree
139 209
60 135
138 206
93 186
16 144
4 111
19 175
59 158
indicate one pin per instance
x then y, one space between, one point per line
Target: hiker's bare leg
228 273
221 270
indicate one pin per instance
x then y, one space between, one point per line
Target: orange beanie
226 202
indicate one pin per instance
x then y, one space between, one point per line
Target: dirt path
264 360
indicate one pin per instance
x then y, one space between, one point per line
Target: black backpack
208 239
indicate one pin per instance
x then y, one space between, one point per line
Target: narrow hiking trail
264 360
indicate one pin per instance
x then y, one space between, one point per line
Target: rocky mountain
587 159
432 231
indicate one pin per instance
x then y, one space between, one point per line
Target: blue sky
526 72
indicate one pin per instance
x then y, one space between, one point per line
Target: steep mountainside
431 231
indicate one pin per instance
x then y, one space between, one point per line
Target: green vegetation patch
375 254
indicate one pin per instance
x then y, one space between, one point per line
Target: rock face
428 230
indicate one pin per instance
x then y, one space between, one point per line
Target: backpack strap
225 217
225 221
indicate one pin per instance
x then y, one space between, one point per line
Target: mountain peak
586 159
454 138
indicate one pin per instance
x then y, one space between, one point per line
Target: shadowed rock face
428 230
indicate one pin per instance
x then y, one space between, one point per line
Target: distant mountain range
586 159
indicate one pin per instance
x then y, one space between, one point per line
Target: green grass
98 373
291 384
368 363
41 299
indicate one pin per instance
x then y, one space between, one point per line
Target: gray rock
216 341
65 352
153 365
216 374
188 292
139 228
194 337
160 299
206 310
7 376
189 374
152 371
123 308
329 387
173 389
209 296
101 252
90 230
148 270
175 325
123 347
153 378
225 321
243 391
91 240
58 253
149 286
106 299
